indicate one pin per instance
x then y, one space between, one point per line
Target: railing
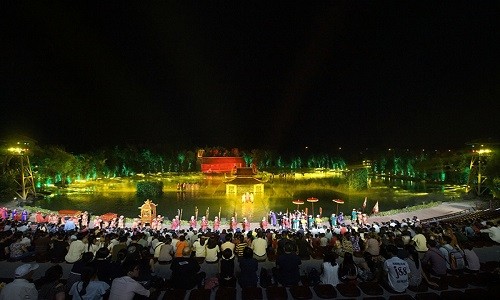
448 216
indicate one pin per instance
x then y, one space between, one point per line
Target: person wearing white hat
21 288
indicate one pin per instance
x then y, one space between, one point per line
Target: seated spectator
226 269
50 285
492 231
248 269
41 242
240 245
76 249
102 265
126 287
18 250
186 272
181 245
22 287
166 252
199 248
397 271
89 287
259 247
433 262
59 248
287 270
304 247
228 243
471 258
76 269
212 251
348 271
330 270
416 270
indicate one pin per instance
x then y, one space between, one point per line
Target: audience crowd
123 263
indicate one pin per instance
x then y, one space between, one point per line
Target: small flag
364 203
375 208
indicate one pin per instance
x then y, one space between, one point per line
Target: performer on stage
318 222
272 216
135 224
233 224
3 213
39 218
24 215
246 225
97 223
340 218
263 223
216 224
310 222
192 222
333 220
175 223
204 224
121 222
159 225
85 219
286 222
154 223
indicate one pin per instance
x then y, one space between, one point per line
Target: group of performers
15 215
295 220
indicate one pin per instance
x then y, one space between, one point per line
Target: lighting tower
476 180
18 161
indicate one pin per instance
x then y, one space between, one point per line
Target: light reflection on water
128 203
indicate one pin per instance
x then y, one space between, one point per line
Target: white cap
22 270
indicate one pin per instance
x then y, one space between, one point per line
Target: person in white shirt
88 288
76 249
259 247
397 271
330 270
473 263
126 287
228 244
21 288
493 231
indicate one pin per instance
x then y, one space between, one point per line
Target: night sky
249 75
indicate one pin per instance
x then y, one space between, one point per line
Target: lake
118 196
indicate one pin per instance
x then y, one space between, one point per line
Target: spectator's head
247 252
87 257
289 248
227 253
432 243
25 271
54 273
392 250
103 252
446 239
348 259
186 252
330 257
131 268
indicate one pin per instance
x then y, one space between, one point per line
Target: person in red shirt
175 223
216 224
204 224
246 224
192 222
233 224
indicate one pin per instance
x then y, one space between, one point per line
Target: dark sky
273 76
